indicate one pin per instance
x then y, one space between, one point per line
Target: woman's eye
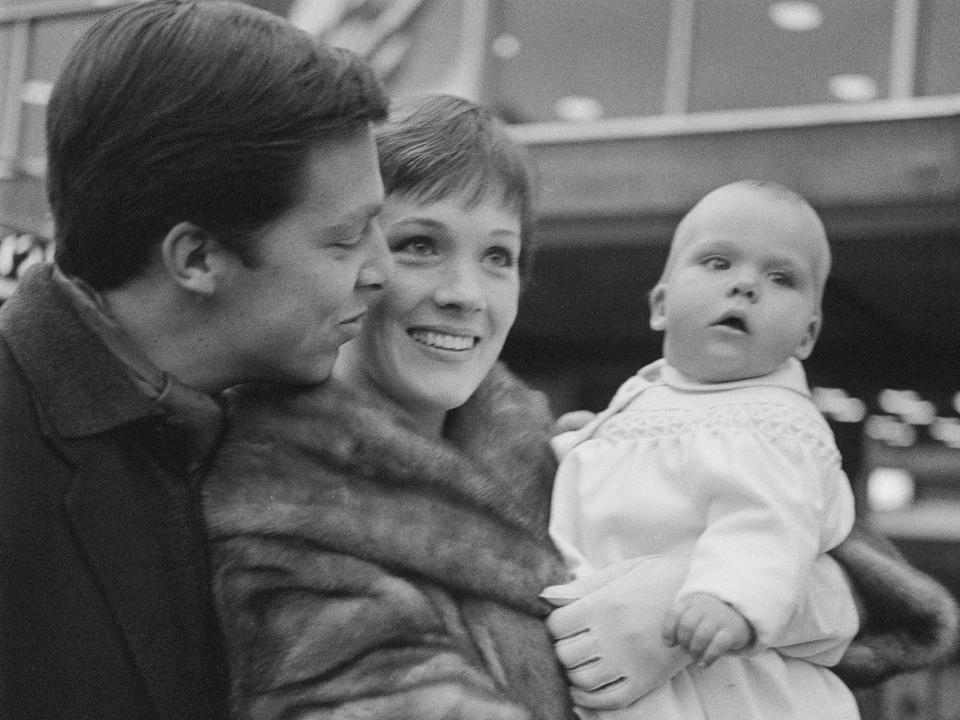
500 257
419 245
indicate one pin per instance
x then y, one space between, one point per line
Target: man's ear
193 258
658 310
809 339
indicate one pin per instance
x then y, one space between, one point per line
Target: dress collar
789 376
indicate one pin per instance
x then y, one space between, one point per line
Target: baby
714 463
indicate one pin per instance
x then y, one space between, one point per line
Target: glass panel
579 59
50 42
742 59
938 64
6 47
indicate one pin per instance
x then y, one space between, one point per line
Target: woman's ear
192 258
805 347
658 316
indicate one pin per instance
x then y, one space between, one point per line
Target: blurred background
632 110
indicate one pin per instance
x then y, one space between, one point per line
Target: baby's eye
500 257
419 245
715 262
783 278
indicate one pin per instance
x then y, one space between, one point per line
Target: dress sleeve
826 617
773 499
309 631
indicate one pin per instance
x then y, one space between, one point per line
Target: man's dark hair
189 110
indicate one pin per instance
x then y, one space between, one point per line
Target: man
214 186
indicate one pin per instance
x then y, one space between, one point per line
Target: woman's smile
444 340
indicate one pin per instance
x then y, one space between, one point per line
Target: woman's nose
460 288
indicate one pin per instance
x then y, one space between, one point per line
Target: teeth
442 340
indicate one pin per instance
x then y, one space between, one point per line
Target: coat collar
81 386
324 466
84 391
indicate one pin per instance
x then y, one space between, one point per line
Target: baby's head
742 287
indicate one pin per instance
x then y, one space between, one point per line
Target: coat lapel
116 525
91 412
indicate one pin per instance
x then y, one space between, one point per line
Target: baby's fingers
670 626
720 644
687 626
702 637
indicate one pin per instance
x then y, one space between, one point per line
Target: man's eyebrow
369 210
360 214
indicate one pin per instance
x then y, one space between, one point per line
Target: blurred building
632 110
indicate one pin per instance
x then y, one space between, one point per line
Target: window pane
743 60
610 51
938 64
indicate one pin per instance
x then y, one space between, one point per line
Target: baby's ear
805 347
658 317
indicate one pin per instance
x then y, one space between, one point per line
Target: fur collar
322 465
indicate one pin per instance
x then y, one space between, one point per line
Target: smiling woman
380 541
444 319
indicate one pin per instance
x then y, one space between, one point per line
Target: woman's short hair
438 146
189 110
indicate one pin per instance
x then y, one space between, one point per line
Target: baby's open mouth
733 322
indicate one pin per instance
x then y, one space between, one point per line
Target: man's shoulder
14 388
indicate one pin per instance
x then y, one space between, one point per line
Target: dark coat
355 559
103 593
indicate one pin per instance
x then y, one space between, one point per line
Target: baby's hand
573 420
706 627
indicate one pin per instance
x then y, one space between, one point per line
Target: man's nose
376 271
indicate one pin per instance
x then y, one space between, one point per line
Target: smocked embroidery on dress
786 428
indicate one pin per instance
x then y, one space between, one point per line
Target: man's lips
353 325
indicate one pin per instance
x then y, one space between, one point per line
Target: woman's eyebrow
430 222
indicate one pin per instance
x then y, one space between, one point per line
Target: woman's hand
607 630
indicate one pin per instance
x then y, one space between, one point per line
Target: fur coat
354 559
